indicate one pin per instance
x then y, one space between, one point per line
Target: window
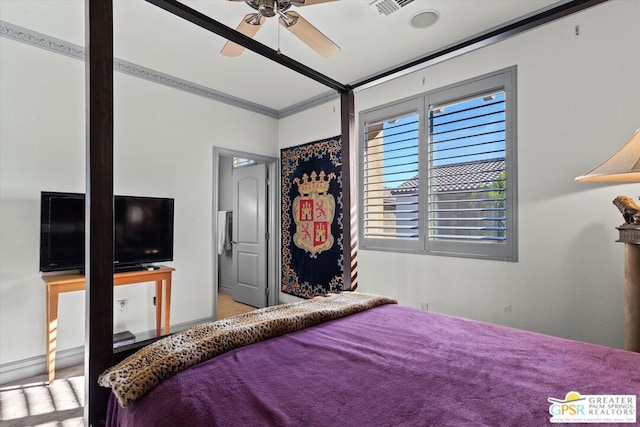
240 162
437 171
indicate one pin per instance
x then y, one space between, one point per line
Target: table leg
167 304
632 297
52 332
158 306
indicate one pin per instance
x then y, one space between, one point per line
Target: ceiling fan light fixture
424 19
268 8
254 19
288 20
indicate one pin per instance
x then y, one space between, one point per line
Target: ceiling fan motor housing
269 8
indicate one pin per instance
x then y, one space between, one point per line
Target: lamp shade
623 166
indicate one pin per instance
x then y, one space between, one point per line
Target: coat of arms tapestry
312 260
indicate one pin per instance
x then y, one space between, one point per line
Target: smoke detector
387 7
423 19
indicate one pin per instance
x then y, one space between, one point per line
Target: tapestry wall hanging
312 260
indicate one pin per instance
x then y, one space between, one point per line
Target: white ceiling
370 42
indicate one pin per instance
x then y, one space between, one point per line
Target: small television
143 231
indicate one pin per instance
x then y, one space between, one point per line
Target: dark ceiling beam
481 40
230 34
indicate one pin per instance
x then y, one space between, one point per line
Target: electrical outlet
424 306
122 305
507 308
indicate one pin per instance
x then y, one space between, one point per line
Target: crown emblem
315 183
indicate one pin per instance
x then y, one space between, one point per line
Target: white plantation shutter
441 179
390 208
467 170
391 158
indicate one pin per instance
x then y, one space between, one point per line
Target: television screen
61 231
143 231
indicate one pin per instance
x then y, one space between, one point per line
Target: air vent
387 7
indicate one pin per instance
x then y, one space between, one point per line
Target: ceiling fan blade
249 26
301 3
309 34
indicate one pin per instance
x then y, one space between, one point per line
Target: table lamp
624 166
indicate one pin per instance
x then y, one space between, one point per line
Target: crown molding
149 74
40 40
308 103
43 41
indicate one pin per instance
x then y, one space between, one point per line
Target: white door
249 238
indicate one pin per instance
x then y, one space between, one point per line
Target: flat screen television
143 231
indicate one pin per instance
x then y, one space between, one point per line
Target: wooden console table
57 284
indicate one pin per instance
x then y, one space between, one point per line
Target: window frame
496 81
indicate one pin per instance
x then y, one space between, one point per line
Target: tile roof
457 176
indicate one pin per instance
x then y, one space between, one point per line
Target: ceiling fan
292 21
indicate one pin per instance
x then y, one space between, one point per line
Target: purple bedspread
387 366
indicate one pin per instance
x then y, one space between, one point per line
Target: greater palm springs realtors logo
576 408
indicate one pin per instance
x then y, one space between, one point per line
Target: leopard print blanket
143 370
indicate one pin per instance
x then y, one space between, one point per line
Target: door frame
273 221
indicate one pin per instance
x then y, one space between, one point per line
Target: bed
380 364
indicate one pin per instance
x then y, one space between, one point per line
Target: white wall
578 102
163 141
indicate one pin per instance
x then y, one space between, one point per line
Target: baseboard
25 368
225 289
